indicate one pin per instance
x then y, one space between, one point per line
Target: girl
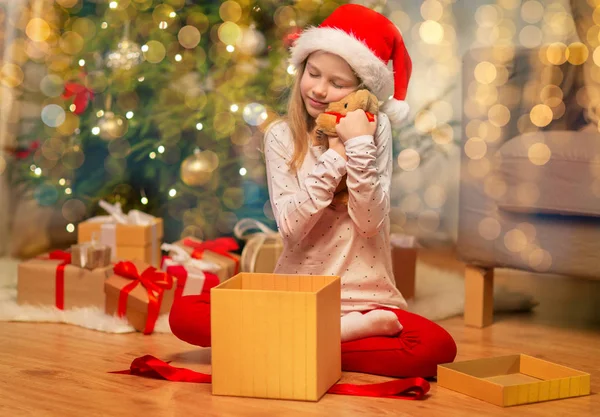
322 236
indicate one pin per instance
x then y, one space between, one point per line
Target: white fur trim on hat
373 72
396 110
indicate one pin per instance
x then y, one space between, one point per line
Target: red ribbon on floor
151 367
221 245
340 116
154 281
65 257
400 389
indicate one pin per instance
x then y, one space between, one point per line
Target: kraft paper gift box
51 280
133 236
194 276
513 380
404 263
217 251
262 249
139 292
276 336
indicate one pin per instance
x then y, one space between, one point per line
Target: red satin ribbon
153 280
65 257
400 389
340 116
82 94
221 245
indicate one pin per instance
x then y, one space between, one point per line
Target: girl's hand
355 124
337 145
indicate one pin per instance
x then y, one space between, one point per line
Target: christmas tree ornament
128 54
197 169
111 125
82 95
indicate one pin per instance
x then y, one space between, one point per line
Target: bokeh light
539 153
155 52
409 159
189 36
38 30
489 228
254 114
53 115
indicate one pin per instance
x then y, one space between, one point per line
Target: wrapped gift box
264 258
39 282
132 236
90 255
513 380
276 336
190 281
216 251
262 249
139 292
128 241
194 276
404 263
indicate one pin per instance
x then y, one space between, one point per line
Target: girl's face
326 78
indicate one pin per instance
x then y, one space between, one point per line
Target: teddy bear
326 122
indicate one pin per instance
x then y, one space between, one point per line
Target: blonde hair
299 122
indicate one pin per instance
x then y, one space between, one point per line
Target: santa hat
367 40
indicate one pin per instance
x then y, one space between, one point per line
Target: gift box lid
513 380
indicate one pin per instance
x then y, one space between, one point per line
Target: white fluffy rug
439 295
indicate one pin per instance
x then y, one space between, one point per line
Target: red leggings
416 351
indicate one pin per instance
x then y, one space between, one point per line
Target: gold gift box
131 242
276 336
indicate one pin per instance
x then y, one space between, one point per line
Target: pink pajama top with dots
352 242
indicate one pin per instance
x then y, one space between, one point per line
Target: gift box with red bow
140 293
217 251
52 280
194 276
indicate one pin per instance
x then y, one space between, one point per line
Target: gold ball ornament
112 126
197 169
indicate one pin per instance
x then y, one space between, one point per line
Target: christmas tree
160 105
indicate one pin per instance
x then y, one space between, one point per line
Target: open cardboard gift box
276 336
513 380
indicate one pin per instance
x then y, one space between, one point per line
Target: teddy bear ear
372 104
361 98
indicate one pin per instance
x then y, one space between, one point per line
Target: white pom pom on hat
367 40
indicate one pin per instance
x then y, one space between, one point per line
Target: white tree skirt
439 294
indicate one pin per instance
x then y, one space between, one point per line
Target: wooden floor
61 370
